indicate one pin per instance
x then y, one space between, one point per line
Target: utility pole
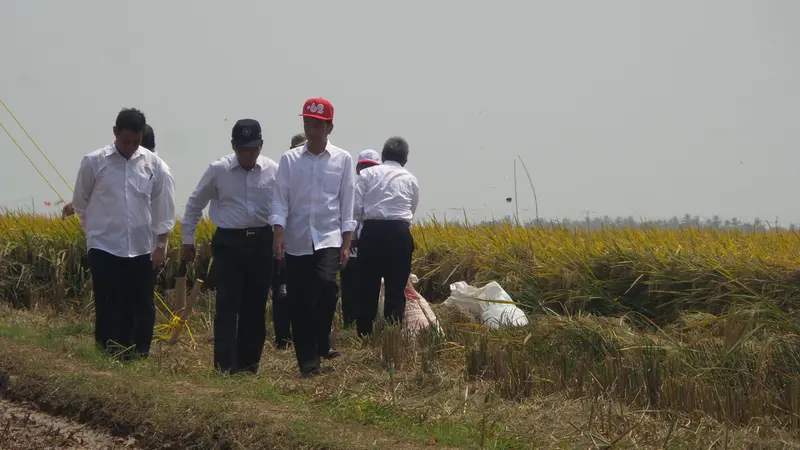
516 200
33 206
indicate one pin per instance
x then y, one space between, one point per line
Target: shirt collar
392 163
235 162
112 149
327 149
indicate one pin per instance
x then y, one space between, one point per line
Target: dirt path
23 426
146 408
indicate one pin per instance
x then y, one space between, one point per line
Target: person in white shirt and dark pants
124 197
313 221
349 274
239 187
386 200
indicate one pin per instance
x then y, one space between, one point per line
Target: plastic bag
418 313
491 304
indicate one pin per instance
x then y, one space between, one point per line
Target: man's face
127 141
316 130
247 156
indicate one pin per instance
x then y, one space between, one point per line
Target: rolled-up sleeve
347 196
280 195
84 185
358 204
162 201
195 205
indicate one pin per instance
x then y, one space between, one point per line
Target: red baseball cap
318 108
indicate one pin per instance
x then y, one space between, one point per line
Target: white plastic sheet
491 304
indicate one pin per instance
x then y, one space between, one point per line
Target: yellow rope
30 160
163 332
34 143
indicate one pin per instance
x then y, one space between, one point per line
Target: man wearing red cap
312 215
366 158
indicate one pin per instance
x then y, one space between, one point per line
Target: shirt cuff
277 220
164 227
349 225
188 240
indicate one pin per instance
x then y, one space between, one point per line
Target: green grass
157 407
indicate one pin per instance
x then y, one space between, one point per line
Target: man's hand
278 246
344 255
67 211
189 253
159 257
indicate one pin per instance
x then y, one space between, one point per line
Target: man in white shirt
281 308
386 200
239 187
148 142
124 195
312 216
349 274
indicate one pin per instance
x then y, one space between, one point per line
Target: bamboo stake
187 311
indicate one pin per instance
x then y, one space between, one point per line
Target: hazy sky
631 107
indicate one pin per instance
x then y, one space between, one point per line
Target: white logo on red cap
316 109
246 131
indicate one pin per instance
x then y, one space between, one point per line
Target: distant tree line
673 223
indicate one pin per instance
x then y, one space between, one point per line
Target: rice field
652 272
695 328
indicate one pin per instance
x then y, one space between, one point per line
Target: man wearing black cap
239 187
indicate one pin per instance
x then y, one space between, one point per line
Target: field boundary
182 415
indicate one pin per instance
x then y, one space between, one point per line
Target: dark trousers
385 248
242 271
349 278
311 282
123 301
281 308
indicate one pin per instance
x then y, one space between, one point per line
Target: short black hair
395 149
298 140
148 138
130 119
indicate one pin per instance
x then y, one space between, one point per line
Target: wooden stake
186 313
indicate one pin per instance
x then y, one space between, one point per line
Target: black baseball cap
246 134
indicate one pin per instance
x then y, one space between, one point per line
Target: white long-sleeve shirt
313 199
122 203
386 192
239 198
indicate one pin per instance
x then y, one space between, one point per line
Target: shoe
332 354
310 373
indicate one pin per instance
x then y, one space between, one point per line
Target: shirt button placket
127 205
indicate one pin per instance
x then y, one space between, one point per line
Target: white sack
491 304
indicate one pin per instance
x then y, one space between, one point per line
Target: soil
23 426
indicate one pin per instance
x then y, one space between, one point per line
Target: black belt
388 221
247 232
